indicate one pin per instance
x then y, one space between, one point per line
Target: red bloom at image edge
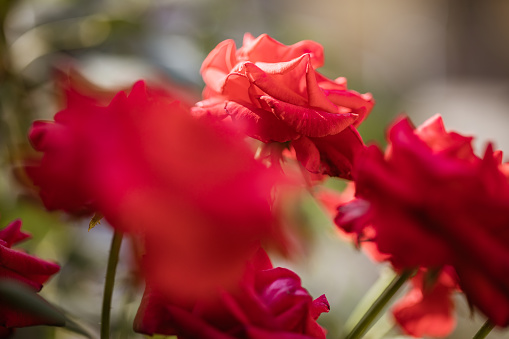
274 94
430 191
267 303
24 269
424 310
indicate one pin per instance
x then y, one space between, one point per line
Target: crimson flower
267 303
24 269
194 191
432 202
427 308
274 94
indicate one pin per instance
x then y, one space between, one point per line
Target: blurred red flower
274 94
194 191
60 171
427 308
267 303
432 202
24 269
427 311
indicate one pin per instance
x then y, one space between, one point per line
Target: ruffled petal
259 123
266 49
308 121
332 155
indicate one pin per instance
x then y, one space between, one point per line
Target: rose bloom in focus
274 94
433 203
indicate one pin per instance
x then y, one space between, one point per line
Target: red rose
268 303
274 94
424 310
25 269
194 191
432 202
61 171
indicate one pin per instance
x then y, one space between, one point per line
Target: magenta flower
268 303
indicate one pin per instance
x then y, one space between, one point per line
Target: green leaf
21 297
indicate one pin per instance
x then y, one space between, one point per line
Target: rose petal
259 123
266 49
308 121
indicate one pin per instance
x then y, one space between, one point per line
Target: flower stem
379 304
116 241
484 330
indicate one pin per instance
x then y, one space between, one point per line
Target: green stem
484 330
116 241
379 304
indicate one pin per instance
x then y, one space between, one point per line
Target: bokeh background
416 58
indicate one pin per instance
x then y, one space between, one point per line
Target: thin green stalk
484 330
116 241
362 326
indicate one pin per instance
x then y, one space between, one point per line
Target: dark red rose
268 303
432 202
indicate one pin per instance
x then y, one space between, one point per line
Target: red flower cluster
274 94
25 269
269 303
192 189
197 197
432 202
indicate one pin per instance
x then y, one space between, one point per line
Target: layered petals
430 191
273 93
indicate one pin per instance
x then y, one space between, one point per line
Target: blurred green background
415 57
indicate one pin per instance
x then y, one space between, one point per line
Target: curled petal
308 121
12 234
332 155
360 104
218 64
320 305
259 123
266 49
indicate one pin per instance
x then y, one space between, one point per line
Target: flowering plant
203 189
